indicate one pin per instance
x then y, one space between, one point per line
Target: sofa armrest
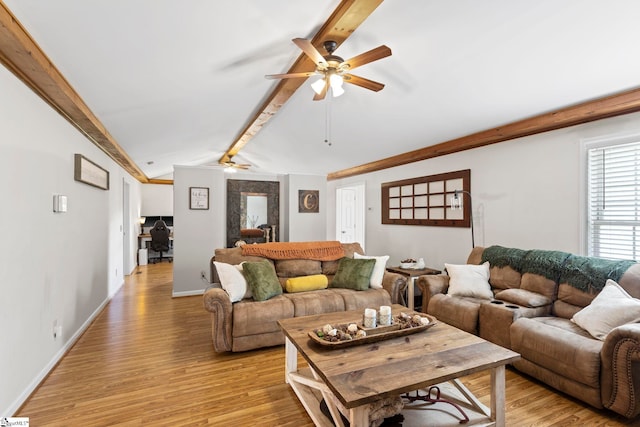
217 302
396 285
430 285
620 377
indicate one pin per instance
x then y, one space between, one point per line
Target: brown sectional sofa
249 324
531 314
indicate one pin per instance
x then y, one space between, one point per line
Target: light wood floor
147 360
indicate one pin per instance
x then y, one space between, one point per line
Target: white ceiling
175 82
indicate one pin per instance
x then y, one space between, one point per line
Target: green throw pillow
353 274
262 279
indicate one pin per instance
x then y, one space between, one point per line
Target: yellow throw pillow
306 283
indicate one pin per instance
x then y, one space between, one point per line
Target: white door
350 214
347 215
126 227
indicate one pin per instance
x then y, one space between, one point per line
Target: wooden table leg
498 395
359 416
291 359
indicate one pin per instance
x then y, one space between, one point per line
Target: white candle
385 315
369 320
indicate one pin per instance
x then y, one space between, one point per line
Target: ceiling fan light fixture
318 85
336 81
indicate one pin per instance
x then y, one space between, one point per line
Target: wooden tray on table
375 334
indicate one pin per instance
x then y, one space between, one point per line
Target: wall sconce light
456 203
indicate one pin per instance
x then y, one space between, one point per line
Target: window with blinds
614 201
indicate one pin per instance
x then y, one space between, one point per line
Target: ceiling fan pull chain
327 122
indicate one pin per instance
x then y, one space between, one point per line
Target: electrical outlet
203 277
57 329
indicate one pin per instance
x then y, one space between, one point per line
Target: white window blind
614 201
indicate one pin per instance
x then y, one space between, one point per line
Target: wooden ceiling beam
341 24
601 108
24 58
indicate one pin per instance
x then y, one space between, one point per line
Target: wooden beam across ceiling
589 111
24 58
341 24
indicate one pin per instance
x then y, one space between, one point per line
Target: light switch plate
59 203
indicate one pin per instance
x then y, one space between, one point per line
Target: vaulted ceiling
179 83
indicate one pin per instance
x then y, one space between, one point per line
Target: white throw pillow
611 308
378 270
233 281
468 280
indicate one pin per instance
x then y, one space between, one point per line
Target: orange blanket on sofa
319 251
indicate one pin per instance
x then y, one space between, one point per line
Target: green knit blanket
584 273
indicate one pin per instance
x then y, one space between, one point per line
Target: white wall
197 233
55 266
308 226
157 200
527 193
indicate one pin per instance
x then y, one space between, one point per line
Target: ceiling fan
335 70
231 166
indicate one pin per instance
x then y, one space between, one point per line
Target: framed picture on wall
199 198
90 173
308 201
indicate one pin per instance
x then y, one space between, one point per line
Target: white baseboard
54 361
187 293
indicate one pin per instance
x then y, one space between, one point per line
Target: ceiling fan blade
320 96
311 51
362 82
366 57
290 76
232 164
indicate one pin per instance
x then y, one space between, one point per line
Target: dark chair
160 241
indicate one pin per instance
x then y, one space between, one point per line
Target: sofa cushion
330 268
611 308
539 284
306 283
353 274
461 312
371 298
232 281
560 346
316 302
378 270
523 297
297 267
469 280
262 279
260 317
504 277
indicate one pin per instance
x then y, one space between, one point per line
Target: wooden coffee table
362 374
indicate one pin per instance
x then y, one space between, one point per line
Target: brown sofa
531 313
249 324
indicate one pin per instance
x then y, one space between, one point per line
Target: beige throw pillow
469 280
378 269
232 281
611 308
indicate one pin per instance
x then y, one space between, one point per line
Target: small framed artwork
199 198
87 172
308 201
